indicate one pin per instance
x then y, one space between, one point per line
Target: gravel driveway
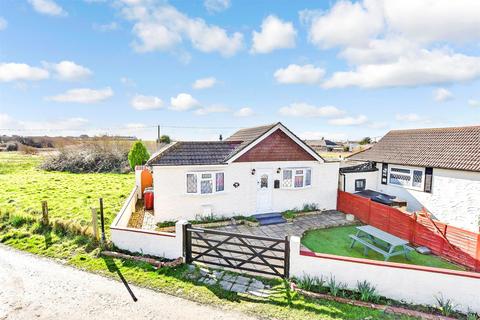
33 287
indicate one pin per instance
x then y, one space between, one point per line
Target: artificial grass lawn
336 241
69 196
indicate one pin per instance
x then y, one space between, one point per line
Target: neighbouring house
256 170
323 145
436 169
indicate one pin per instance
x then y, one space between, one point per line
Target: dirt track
32 287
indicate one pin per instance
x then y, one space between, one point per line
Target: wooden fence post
413 228
478 253
102 220
94 223
45 213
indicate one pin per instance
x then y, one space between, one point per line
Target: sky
334 69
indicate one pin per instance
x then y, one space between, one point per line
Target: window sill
405 187
205 194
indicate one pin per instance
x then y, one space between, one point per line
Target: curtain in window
191 183
219 181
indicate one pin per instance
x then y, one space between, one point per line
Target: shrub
309 207
89 158
165 139
18 220
11 146
335 288
367 291
138 154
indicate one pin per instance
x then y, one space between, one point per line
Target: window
219 181
406 177
205 182
360 184
264 181
296 178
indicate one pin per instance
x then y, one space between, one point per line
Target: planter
384 308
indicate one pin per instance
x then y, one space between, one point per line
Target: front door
264 191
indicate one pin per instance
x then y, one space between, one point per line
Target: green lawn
69 196
23 187
336 241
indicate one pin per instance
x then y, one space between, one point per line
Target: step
269 221
267 215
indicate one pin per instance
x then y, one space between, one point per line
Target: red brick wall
276 147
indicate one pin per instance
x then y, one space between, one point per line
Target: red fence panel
455 244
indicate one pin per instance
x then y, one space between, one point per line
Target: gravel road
33 287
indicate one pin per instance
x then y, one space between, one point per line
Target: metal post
102 220
286 266
187 243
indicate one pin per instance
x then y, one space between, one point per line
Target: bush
165 139
89 158
367 291
11 146
138 155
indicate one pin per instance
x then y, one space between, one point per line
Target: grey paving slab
238 288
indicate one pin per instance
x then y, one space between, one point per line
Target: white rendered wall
160 244
371 180
412 286
455 197
173 203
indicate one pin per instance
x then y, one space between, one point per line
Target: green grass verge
70 196
336 241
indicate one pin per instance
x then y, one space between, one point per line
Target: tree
138 154
366 140
165 139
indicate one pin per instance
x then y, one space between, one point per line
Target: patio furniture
382 242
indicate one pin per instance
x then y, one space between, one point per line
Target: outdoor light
253 172
279 169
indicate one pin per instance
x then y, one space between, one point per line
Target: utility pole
158 137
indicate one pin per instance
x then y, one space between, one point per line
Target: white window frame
294 174
213 179
411 169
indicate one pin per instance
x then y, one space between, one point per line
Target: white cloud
274 34
307 74
346 24
83 95
409 117
21 72
183 102
473 103
48 7
127 82
112 26
135 125
211 109
442 94
163 27
420 68
68 70
204 83
349 121
3 23
214 6
446 20
301 109
52 127
244 112
317 135
141 102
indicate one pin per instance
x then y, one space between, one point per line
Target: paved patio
319 220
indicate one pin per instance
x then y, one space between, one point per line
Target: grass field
336 241
70 196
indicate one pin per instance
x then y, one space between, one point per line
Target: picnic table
382 242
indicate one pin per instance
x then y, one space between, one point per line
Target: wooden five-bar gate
237 251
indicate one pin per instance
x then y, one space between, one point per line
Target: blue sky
334 69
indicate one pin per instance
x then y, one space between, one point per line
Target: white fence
403 282
160 244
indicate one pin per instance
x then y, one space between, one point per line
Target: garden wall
402 282
160 244
452 243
